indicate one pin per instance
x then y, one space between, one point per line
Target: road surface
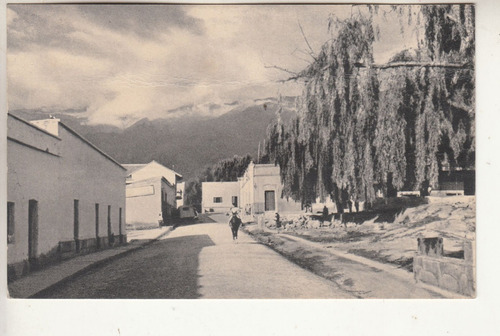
200 261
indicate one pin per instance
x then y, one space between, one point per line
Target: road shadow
166 269
202 218
182 256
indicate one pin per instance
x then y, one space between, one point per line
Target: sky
116 64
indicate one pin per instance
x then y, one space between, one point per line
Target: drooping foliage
362 127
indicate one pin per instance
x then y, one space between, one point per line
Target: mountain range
188 142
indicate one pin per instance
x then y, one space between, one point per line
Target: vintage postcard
292 151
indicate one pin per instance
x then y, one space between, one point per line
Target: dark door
76 224
120 225
164 209
269 204
32 230
98 243
110 233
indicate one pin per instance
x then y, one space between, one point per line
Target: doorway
120 225
110 233
76 224
32 231
98 243
269 200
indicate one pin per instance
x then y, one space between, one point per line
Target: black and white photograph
249 168
279 151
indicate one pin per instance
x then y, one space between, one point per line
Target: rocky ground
393 242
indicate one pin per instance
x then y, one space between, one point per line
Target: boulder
314 224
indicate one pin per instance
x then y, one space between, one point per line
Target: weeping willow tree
362 126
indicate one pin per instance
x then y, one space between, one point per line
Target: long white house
64 195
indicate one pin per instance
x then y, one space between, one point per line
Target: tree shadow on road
202 219
183 264
165 269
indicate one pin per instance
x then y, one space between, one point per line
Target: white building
257 191
151 194
64 195
219 196
261 189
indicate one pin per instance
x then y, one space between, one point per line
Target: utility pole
258 154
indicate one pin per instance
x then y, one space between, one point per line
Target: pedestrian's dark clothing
325 213
235 223
308 207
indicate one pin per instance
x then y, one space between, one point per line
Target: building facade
261 190
151 194
257 191
219 196
64 195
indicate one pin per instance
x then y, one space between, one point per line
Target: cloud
52 24
120 63
143 20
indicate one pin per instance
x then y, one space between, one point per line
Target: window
217 199
234 201
10 222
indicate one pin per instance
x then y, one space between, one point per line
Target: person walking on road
324 216
234 223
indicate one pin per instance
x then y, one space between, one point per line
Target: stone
431 266
314 224
469 248
428 278
450 283
417 261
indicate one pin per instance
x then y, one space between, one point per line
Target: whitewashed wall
80 172
226 190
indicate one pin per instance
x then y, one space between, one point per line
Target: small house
151 194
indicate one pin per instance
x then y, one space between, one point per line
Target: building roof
32 125
91 145
149 180
72 132
133 167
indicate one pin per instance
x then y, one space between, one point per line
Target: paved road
201 261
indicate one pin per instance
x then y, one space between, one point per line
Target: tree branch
414 64
307 42
281 69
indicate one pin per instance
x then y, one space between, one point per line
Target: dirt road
201 261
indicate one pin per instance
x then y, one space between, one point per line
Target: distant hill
186 143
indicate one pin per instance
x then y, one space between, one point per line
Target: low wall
453 274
